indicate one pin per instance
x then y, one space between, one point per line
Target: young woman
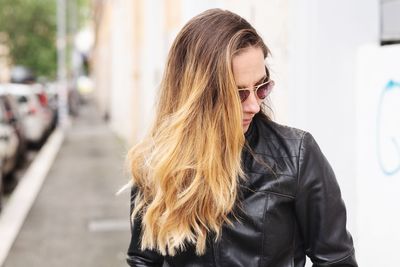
216 182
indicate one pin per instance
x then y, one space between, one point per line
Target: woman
216 181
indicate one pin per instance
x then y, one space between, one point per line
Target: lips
246 121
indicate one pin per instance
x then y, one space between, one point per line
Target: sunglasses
262 90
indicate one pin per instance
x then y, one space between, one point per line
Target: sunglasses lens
243 94
264 90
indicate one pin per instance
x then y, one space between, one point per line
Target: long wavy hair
187 168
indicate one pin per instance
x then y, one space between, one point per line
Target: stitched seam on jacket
275 193
273 156
277 173
339 260
285 138
298 162
294 232
262 258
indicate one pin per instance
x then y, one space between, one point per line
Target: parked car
36 119
8 150
52 100
14 117
44 99
8 144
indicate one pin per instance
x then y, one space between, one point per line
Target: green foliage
84 12
31 29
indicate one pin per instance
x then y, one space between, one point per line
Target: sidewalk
76 219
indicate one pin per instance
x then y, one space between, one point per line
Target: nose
251 105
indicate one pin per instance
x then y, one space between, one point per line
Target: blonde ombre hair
186 169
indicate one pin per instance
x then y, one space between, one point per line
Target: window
390 22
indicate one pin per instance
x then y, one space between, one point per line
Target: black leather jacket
282 218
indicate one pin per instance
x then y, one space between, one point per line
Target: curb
24 195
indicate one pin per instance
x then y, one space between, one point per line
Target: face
249 71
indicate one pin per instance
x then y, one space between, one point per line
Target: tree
30 27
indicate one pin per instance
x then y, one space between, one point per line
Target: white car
43 98
36 119
8 144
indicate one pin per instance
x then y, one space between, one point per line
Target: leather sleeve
320 210
137 257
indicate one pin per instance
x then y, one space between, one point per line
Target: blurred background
88 71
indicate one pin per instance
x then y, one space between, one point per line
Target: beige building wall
116 64
132 44
122 61
101 56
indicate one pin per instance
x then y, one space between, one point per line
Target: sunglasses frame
255 89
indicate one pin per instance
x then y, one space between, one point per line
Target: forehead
248 66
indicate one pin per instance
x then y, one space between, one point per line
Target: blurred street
76 219
102 62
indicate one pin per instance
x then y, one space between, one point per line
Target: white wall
378 155
151 62
324 38
136 63
122 60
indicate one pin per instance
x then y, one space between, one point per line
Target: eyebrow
257 83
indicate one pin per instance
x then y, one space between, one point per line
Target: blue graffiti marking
390 140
